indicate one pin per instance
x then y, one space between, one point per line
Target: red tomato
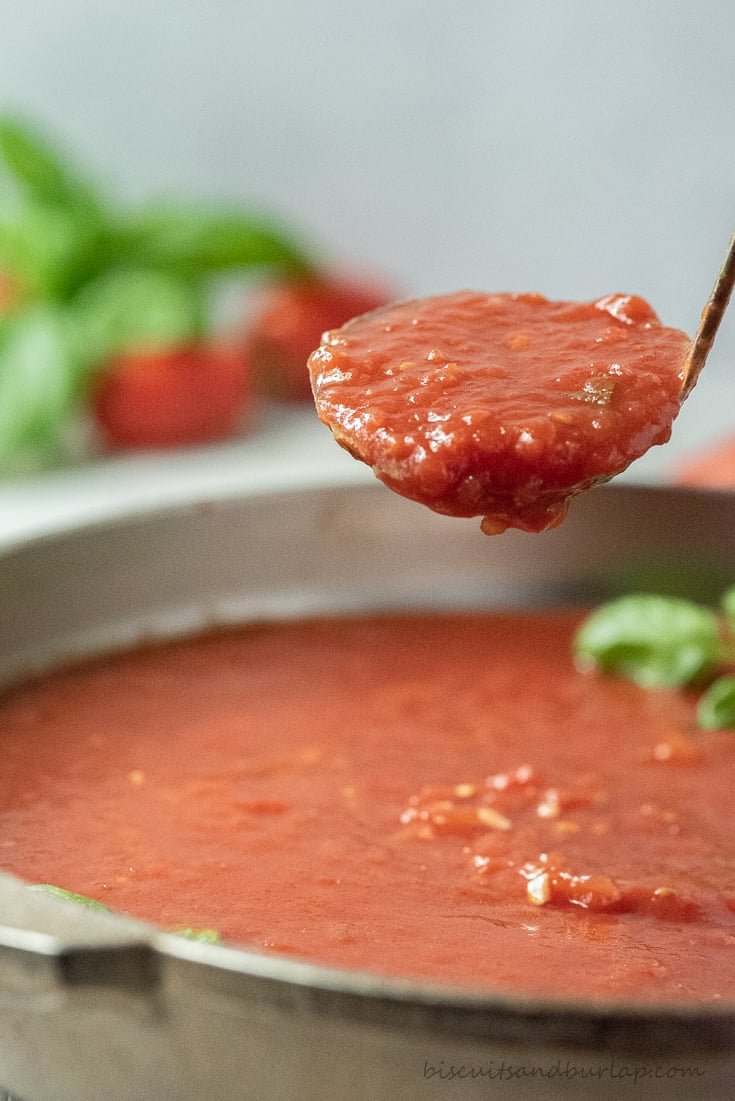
288 324
714 468
172 397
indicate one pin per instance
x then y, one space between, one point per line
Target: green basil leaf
656 641
193 242
53 251
126 310
70 896
716 708
39 384
209 936
39 170
728 605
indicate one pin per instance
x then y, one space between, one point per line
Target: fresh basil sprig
194 241
188 932
40 171
716 708
92 281
50 251
40 382
728 606
56 229
49 351
666 642
69 896
656 641
208 936
132 308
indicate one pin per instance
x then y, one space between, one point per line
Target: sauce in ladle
500 405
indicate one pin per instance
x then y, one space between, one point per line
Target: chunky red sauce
500 405
442 797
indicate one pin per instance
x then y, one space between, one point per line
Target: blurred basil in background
84 281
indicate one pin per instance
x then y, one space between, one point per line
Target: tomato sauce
500 405
443 797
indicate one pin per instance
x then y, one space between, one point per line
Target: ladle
710 321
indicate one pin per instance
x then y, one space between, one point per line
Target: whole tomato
173 397
287 325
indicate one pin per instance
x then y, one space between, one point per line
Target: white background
575 148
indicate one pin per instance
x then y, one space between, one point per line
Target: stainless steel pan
94 1006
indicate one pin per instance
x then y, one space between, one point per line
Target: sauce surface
442 797
500 405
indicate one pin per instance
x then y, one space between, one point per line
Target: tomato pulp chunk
500 405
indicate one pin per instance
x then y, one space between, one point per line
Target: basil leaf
52 252
70 896
728 605
716 708
209 936
126 310
39 382
40 171
192 241
656 641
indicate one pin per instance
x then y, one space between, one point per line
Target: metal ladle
710 321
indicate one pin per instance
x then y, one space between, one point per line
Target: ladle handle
710 321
